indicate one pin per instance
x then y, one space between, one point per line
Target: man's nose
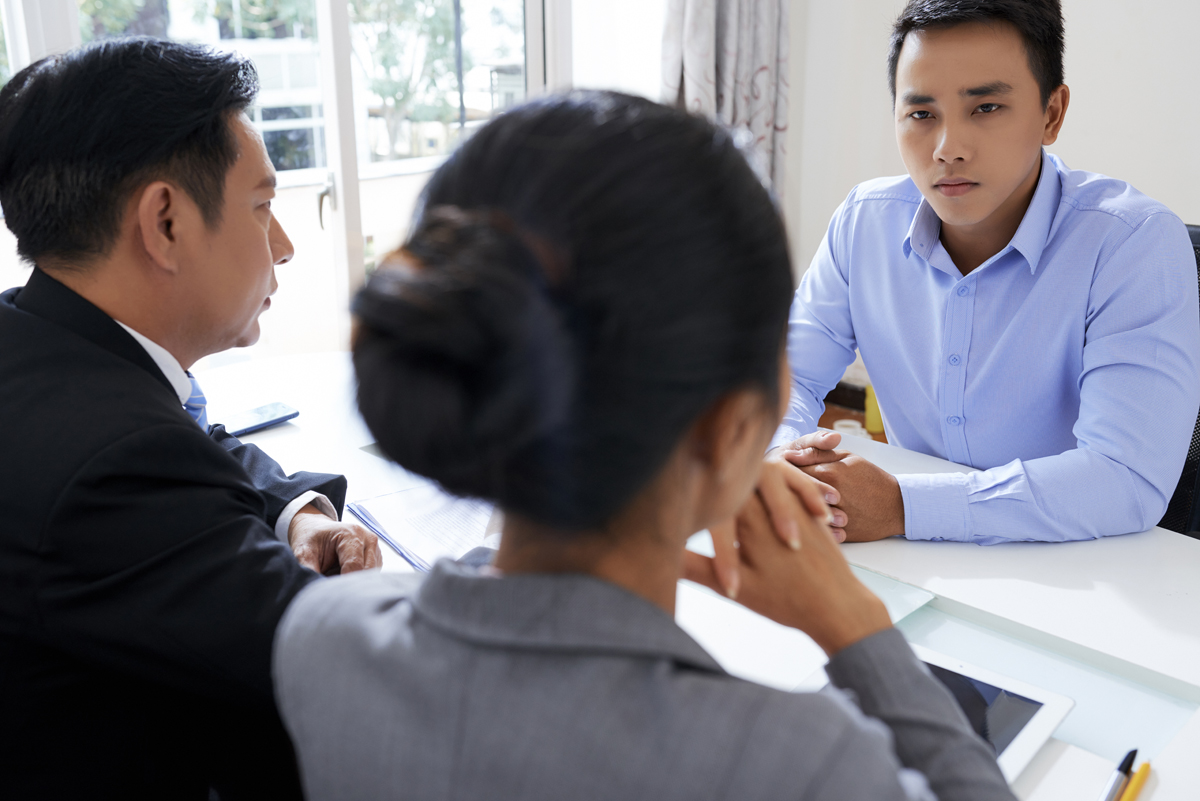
281 247
953 143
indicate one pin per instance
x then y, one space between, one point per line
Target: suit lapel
45 297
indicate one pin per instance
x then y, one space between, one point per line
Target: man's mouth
954 187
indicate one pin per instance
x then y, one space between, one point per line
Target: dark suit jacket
140 578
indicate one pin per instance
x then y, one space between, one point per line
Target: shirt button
963 291
953 420
955 360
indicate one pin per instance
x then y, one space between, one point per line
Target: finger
839 534
810 456
351 552
755 532
700 569
782 505
374 557
814 493
819 440
825 492
725 557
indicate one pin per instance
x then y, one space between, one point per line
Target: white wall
839 111
1132 66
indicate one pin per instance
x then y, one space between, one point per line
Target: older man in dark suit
144 555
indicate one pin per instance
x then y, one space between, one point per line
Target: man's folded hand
331 546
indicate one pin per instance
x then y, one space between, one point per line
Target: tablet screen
996 715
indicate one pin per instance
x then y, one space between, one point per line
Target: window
433 71
5 72
413 76
279 36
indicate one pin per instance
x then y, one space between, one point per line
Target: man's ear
1056 112
158 215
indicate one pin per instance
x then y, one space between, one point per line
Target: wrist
867 617
302 514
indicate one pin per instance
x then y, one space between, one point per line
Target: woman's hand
787 494
810 588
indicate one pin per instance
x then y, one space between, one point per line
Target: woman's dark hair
1039 22
587 275
81 131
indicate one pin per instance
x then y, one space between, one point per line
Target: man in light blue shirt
1035 322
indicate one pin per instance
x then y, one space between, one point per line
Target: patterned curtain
727 59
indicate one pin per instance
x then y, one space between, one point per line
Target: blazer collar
557 612
43 296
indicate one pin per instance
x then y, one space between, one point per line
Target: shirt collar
1031 236
166 362
555 612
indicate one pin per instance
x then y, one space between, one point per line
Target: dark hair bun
590 273
460 354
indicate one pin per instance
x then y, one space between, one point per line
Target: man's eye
920 115
988 108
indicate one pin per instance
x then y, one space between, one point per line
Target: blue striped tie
196 403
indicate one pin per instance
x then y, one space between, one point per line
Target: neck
116 289
971 245
637 558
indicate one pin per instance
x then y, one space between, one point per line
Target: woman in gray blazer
587 328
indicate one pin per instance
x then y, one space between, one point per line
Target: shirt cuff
935 506
285 517
783 435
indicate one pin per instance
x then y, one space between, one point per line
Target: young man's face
237 258
970 121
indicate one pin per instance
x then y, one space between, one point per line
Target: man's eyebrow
913 99
267 183
993 88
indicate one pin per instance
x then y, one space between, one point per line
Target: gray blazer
565 687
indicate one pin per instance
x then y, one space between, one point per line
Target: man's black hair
81 131
1039 22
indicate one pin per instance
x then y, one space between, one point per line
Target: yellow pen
1134 789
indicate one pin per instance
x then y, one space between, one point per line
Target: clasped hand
779 558
331 546
866 500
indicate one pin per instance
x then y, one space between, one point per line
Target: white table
1122 610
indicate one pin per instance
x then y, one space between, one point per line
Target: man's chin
249 337
957 216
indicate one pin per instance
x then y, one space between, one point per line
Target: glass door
427 74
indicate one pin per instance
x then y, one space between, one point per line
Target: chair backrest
1183 512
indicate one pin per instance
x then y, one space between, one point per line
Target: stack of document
424 523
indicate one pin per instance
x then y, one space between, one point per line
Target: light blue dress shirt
1064 367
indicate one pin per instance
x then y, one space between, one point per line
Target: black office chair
1183 512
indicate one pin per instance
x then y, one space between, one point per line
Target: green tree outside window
406 50
261 19
103 19
5 71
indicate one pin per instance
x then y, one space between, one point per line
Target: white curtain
727 59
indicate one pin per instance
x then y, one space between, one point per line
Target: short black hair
596 271
1039 22
81 131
